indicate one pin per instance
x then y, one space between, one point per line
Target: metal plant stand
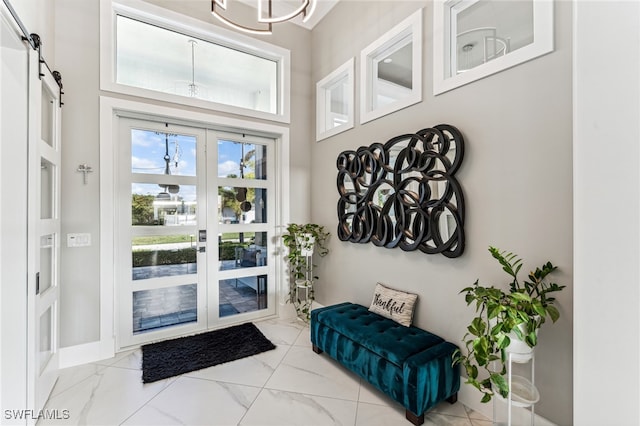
304 287
522 391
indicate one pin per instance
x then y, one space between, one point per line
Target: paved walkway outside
177 305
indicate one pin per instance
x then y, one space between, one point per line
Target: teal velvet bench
410 365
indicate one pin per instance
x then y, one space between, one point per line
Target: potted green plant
502 317
302 241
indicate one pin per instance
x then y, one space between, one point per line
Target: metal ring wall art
404 193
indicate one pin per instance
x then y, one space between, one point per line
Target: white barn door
44 237
14 58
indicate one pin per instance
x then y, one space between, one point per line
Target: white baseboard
288 311
470 396
86 353
316 305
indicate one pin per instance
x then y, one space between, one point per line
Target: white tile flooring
290 385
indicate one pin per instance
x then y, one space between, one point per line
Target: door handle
202 249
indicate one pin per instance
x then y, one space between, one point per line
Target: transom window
160 54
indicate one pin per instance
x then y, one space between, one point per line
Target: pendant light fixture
168 189
265 20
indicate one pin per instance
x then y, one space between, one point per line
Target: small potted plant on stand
505 319
302 242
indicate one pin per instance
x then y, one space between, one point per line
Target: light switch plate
78 240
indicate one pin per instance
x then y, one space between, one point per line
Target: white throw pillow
393 304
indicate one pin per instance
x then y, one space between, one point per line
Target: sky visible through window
148 150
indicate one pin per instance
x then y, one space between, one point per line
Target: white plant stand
304 286
523 392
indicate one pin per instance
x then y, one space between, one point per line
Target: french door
43 232
195 219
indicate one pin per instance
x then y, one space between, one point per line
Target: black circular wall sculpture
404 193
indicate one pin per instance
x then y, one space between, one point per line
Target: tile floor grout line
302 393
239 422
263 388
307 394
152 398
223 382
355 419
102 367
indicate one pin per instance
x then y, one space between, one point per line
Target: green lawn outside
162 239
235 236
169 239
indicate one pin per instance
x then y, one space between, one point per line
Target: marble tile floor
290 385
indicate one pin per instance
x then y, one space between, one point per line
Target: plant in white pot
502 318
303 241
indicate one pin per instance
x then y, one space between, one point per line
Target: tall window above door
152 52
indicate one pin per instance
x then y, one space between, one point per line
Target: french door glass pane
242 250
47 176
242 205
166 61
243 294
163 307
163 256
163 205
45 344
48 110
46 262
162 153
242 160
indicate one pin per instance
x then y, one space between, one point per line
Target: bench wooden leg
453 398
415 419
316 349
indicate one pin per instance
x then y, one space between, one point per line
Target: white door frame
208 276
110 109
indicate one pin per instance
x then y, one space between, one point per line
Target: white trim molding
407 32
444 28
341 76
164 18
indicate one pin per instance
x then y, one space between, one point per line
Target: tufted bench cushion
411 365
388 339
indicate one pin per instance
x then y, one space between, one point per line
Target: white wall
77 54
516 176
606 213
37 15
